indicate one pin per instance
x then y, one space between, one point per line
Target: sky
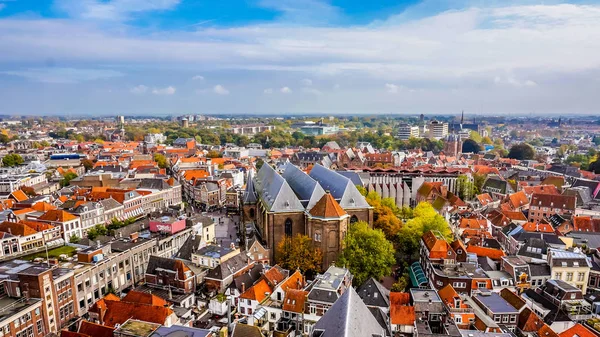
172 57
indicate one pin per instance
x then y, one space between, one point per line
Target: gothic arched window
288 227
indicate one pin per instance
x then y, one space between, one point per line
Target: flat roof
11 306
495 303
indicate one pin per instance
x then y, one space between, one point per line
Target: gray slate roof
374 294
341 188
306 188
250 193
275 192
348 317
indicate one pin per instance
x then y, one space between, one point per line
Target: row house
498 308
159 195
570 266
91 214
70 224
172 280
131 200
112 267
210 193
544 206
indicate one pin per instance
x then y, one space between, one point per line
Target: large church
320 204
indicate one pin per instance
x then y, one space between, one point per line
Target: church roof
306 188
341 188
327 207
275 192
348 317
250 194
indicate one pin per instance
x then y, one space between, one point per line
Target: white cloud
512 81
391 88
285 90
198 78
63 75
164 91
220 90
554 48
112 9
312 91
268 91
336 86
139 89
307 82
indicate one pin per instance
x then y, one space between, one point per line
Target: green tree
522 151
29 191
161 160
478 181
487 140
298 252
474 135
4 139
471 146
74 238
88 164
466 188
214 154
12 159
401 284
67 178
367 253
425 219
96 231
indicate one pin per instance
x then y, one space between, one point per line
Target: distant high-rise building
185 123
437 129
121 120
406 131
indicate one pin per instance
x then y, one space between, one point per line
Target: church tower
249 200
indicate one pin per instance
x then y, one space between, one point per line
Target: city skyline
306 56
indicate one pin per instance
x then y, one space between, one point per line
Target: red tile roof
438 248
538 227
492 253
19 195
294 300
257 292
402 315
484 199
95 330
57 216
398 299
577 330
274 276
43 206
16 229
143 298
553 201
117 312
518 199
473 223
294 281
327 207
37 226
